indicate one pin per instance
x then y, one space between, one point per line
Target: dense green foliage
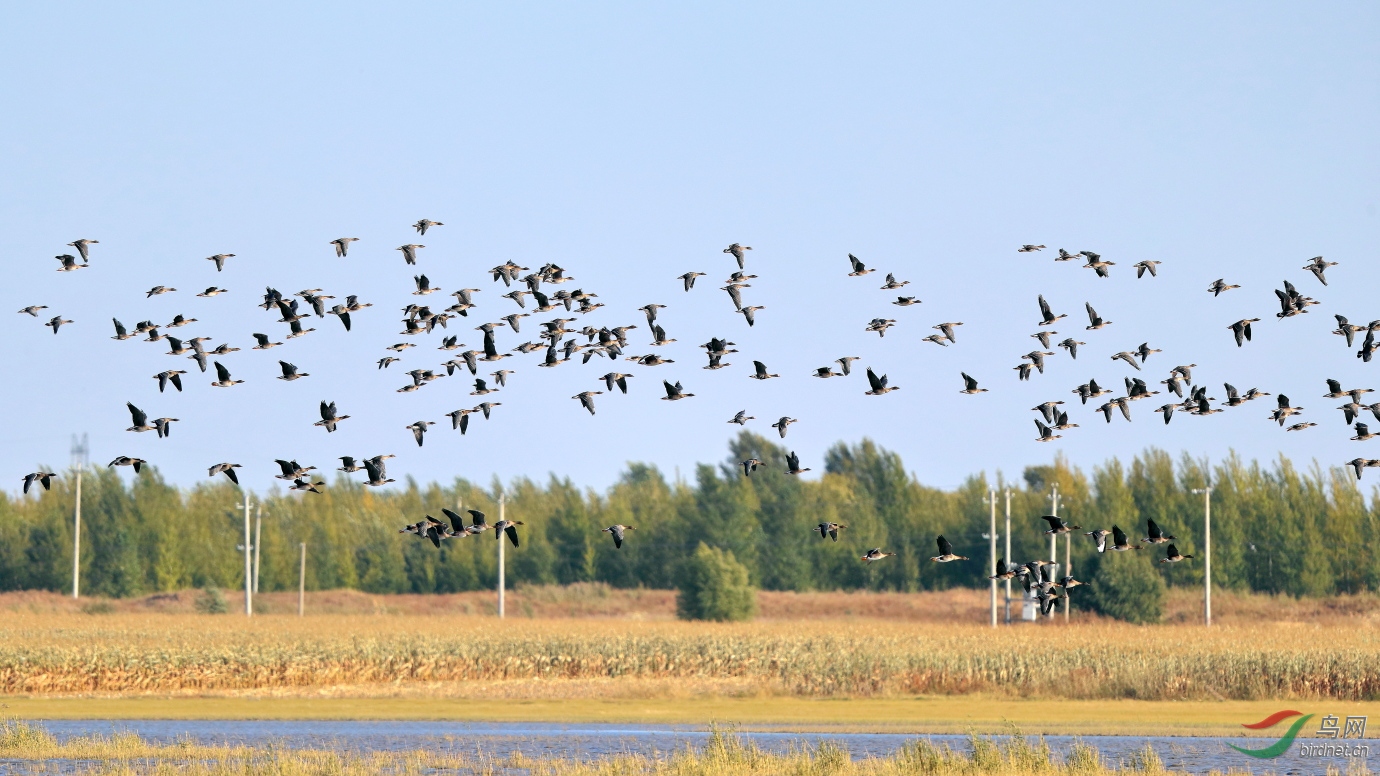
1127 588
1275 529
714 586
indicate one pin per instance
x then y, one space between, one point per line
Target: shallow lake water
590 741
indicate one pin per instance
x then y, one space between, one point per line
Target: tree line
1275 528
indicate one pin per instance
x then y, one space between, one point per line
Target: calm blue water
589 741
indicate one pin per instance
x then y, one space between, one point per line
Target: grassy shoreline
919 715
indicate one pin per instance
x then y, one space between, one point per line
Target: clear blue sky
630 143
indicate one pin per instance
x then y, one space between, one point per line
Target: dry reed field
723 755
124 654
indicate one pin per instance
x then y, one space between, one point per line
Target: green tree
1127 587
714 586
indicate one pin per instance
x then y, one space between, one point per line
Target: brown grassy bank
597 601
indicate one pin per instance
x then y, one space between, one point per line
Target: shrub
1127 588
212 601
714 586
97 607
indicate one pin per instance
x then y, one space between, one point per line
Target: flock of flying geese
559 342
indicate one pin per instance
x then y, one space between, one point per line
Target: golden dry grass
48 654
599 601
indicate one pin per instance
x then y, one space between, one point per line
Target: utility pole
1207 553
500 557
1068 570
992 549
258 534
248 562
302 580
79 462
1053 538
1008 554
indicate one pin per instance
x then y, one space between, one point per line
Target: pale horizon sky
631 143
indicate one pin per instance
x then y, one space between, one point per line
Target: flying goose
1357 464
290 372
1300 426
742 418
291 469
947 329
409 252
419 429
264 342
425 224
892 283
173 376
158 290
906 301
508 527
376 474
1047 409
1066 256
342 245
1129 358
1171 555
1047 315
1037 358
219 259
878 385
329 416
793 464
828 530
587 399
487 406
223 379
164 426
970 385
876 554
858 269
228 469
1156 536
1095 321
825 371
1283 410
1043 337
69 263
1058 525
1143 267
210 292
1242 329
1100 536
1363 433
125 460
1030 248
750 465
737 251
946 552
295 330
880 325
689 280
1004 570
750 313
139 418
34 308
1046 433
1071 345
306 485
83 246
1316 265
44 478
618 531
57 323
1119 542
674 392
760 371
846 363
1218 286
782 424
